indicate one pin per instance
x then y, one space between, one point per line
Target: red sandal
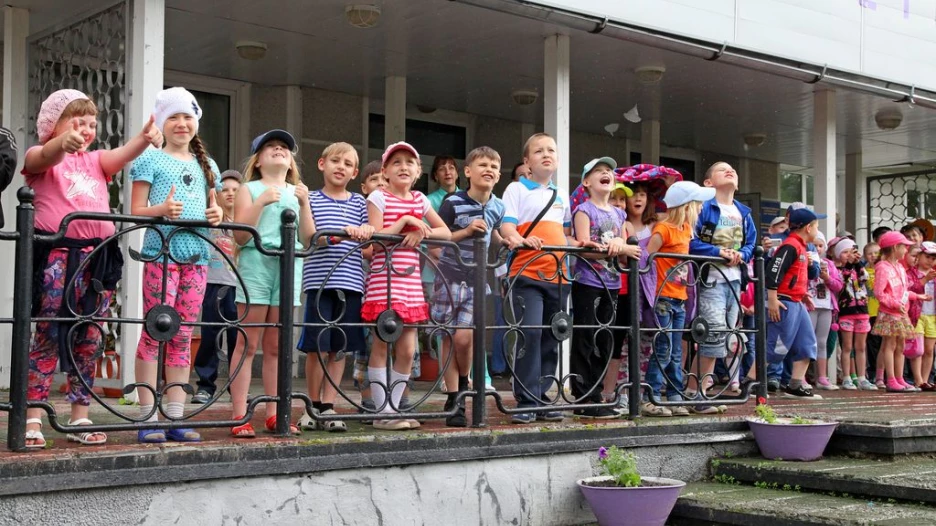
243 431
271 426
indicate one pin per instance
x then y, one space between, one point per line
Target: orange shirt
675 241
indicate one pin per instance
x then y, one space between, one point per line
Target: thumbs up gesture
214 214
151 133
172 208
72 140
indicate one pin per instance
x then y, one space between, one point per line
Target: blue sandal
183 434
151 436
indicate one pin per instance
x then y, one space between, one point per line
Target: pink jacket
834 284
891 288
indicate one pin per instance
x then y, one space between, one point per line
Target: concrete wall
539 490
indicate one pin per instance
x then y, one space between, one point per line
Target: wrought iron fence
539 380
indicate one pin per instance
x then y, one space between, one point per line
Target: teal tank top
271 217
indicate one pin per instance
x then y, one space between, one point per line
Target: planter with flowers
621 497
789 438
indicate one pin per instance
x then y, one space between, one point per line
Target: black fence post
22 305
760 322
284 367
633 345
479 358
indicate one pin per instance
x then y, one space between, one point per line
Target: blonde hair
535 136
485 152
252 171
341 148
683 215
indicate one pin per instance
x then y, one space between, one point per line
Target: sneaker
734 388
458 419
865 385
550 416
521 418
648 409
704 410
598 413
848 385
678 411
879 383
404 404
773 385
623 405
392 425
823 384
803 391
201 397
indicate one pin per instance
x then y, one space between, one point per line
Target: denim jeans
665 365
719 305
206 359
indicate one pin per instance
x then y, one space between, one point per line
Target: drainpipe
808 73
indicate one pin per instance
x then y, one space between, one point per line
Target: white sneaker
848 385
865 385
826 386
392 425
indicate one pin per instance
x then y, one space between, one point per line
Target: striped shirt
458 211
335 214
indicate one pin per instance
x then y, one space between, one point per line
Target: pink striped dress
406 297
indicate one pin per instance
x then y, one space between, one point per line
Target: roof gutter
805 72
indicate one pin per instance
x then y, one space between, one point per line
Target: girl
916 283
68 178
926 327
595 291
823 291
273 184
671 235
398 210
178 182
893 325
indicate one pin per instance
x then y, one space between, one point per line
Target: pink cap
893 238
928 247
395 147
51 111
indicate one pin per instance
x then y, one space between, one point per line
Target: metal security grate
895 200
89 55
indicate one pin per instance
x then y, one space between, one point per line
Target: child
398 210
272 185
926 326
535 295
872 254
218 305
822 292
913 233
333 280
68 178
182 169
672 235
893 324
854 321
595 291
372 178
467 213
913 347
789 321
725 229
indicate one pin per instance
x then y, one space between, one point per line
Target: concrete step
703 503
910 478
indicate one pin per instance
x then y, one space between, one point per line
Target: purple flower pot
786 441
643 506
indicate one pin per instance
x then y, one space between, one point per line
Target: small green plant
620 466
764 411
800 420
725 479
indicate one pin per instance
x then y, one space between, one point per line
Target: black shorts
327 309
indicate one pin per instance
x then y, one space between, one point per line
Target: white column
824 157
145 68
650 141
556 102
15 89
853 183
395 110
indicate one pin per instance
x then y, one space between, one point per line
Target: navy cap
264 138
802 217
798 205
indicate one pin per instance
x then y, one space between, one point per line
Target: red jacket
787 271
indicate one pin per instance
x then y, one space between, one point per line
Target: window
796 187
921 204
430 138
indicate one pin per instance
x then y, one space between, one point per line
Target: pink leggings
185 290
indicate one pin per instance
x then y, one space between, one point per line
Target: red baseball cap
395 147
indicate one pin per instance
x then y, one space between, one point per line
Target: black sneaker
458 419
800 391
549 416
599 413
773 385
201 397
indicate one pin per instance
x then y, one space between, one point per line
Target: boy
372 178
536 294
218 305
725 229
466 213
789 321
333 279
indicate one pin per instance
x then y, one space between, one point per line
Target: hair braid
198 148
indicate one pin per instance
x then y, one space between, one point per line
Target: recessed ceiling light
888 119
650 74
362 16
524 97
754 139
251 49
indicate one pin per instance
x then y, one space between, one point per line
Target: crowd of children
879 306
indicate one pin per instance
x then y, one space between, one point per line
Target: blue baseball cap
264 138
682 192
801 217
595 162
